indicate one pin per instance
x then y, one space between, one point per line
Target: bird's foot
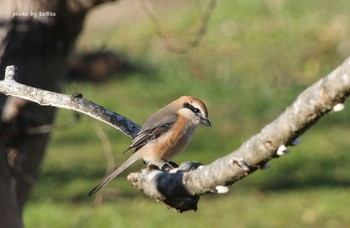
165 166
169 165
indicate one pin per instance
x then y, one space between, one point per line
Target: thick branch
326 95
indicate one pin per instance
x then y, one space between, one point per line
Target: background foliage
255 58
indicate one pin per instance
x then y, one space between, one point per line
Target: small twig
190 44
107 148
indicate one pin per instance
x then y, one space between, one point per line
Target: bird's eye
196 110
192 108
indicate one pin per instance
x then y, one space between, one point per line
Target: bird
164 135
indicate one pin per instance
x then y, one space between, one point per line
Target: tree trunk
38 44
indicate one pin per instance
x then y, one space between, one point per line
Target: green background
254 60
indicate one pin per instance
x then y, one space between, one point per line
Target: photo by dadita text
33 14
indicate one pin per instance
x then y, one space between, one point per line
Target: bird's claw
168 165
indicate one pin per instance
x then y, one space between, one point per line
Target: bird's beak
205 122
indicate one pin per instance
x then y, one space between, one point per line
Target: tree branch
181 188
75 102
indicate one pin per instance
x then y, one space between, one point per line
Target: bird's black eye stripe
192 108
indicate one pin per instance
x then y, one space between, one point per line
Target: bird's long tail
115 173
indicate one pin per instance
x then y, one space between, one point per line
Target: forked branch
181 188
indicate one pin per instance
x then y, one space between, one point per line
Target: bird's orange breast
176 139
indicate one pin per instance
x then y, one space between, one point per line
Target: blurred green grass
256 57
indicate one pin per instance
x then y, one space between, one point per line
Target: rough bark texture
39 46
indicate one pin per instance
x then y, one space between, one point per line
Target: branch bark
181 188
74 102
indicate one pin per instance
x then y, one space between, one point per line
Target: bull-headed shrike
164 135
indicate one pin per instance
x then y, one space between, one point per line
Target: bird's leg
154 164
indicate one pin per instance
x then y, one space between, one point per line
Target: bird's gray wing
155 126
147 135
